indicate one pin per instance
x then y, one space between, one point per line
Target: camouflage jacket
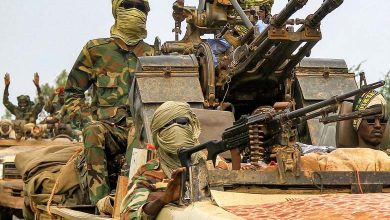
52 105
108 65
30 114
144 183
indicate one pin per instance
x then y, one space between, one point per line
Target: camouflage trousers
102 144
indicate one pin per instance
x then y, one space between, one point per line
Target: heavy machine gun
280 145
258 68
280 127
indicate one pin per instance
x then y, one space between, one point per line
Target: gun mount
280 126
255 68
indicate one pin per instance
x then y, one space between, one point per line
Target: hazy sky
46 36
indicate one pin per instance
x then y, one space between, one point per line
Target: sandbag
29 163
347 159
41 185
54 167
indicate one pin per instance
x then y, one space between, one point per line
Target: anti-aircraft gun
259 66
257 69
272 135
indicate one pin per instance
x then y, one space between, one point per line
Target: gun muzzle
333 100
291 7
326 8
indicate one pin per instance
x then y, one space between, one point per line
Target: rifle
280 126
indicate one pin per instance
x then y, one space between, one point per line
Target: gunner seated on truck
359 151
157 183
370 130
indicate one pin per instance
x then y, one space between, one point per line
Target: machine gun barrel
261 42
284 50
242 14
331 101
281 18
326 8
291 7
352 115
326 111
312 21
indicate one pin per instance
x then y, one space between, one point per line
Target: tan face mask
130 25
169 141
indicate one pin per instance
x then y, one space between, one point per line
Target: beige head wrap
168 140
8 123
130 24
115 5
5 122
367 100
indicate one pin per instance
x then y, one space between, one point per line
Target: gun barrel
261 42
242 14
331 101
326 8
281 18
353 115
291 7
313 21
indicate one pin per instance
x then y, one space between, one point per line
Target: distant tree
7 115
356 68
48 89
385 90
61 79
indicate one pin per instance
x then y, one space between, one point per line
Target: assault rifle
280 126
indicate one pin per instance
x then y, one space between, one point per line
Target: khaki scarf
130 24
168 140
5 123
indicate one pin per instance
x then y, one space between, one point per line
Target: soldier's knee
93 135
93 128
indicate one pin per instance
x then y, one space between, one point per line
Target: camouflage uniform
52 106
107 64
141 186
77 120
30 113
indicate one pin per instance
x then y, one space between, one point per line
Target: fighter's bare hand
7 79
36 79
173 189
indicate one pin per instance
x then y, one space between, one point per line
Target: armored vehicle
256 69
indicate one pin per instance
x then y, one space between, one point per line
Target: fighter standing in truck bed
107 64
